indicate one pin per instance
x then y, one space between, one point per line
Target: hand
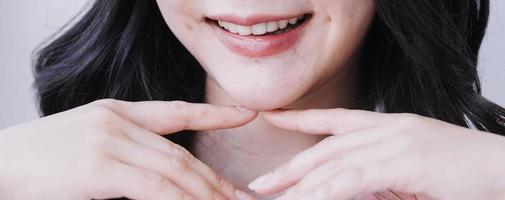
111 149
369 152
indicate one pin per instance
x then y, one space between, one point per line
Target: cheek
268 83
350 10
347 22
181 16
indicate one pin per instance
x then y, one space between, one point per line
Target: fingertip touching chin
266 103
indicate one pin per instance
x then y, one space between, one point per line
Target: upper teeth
258 29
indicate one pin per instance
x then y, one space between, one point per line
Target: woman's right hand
112 149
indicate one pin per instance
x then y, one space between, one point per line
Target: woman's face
267 54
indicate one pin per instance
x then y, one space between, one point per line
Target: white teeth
272 26
293 21
244 30
258 29
233 28
226 25
283 24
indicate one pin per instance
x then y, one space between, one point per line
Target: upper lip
252 19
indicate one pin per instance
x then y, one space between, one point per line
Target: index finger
326 121
166 117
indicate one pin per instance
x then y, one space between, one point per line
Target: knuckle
101 133
156 183
105 103
175 150
102 121
216 195
180 165
203 113
102 116
178 155
98 143
181 149
94 162
184 112
179 105
409 119
183 157
225 185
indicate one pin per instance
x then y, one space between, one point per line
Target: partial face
267 54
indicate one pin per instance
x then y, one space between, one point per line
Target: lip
253 45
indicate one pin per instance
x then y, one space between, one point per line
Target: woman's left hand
369 152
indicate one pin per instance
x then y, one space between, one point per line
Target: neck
241 154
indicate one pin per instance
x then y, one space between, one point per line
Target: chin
269 56
268 98
265 102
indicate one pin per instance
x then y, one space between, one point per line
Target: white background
24 24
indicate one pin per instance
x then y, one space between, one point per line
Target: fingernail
243 109
259 183
239 195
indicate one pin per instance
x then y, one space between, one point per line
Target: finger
175 167
366 179
173 116
134 183
329 189
326 121
299 166
152 140
369 165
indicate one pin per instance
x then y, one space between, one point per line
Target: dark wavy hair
420 56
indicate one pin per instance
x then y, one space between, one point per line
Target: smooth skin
110 149
370 152
321 58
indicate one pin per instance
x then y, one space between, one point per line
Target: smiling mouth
274 27
259 36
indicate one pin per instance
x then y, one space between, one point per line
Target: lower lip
260 46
